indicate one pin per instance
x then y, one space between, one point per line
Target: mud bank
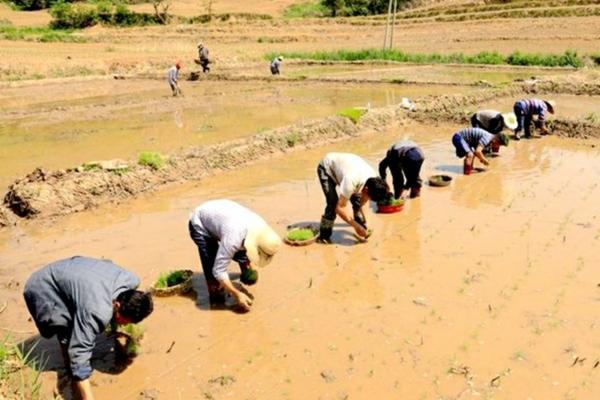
61 192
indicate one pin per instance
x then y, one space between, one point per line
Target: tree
160 10
335 6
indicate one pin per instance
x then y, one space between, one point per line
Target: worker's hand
360 231
243 301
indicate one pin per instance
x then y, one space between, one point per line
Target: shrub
77 16
151 159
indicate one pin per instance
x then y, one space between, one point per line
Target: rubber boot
517 136
415 192
325 230
467 169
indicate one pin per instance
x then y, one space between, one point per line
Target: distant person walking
526 110
76 299
225 231
276 65
203 59
357 183
470 143
404 159
494 121
173 79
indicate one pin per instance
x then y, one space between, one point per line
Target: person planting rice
494 121
224 231
276 65
76 299
471 143
404 159
357 182
526 110
173 78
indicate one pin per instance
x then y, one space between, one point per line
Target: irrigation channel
479 288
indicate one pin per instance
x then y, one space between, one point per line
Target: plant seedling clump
300 234
353 113
249 276
151 159
169 279
391 202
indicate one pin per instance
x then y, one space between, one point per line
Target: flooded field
107 119
484 289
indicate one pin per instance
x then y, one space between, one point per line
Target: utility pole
390 24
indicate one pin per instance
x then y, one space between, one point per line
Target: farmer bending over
173 78
76 299
494 121
472 142
526 109
358 183
224 231
404 159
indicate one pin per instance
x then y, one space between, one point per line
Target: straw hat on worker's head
510 121
261 244
551 104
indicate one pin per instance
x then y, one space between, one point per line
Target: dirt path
485 288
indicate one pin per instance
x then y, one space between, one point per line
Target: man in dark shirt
404 159
76 299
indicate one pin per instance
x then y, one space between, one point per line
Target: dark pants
462 147
204 63
523 120
331 198
274 70
207 248
410 164
36 307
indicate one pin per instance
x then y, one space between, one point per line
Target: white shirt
349 171
228 222
173 75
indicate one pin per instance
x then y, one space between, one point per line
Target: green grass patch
569 58
169 279
39 34
300 234
306 9
292 139
19 373
353 113
151 159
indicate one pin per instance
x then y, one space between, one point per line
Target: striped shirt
228 222
475 137
534 107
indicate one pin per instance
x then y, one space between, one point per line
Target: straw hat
280 58
261 244
550 104
510 120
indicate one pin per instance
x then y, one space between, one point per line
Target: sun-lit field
485 289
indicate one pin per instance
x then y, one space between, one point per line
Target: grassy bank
568 59
38 34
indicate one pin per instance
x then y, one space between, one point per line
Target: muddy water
106 119
491 279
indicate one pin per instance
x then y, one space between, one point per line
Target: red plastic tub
381 209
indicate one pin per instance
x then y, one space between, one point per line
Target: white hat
551 104
510 120
261 244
